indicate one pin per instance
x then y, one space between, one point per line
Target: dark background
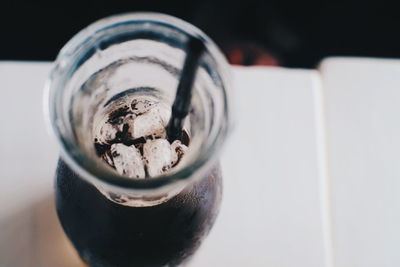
298 33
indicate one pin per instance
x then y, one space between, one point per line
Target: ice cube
107 133
165 114
149 123
140 106
178 150
158 156
128 161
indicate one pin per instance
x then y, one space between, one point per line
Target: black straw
181 106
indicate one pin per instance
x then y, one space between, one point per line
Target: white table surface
318 186
362 99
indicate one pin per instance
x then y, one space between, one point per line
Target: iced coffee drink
127 194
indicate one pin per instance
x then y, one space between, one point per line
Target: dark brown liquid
108 234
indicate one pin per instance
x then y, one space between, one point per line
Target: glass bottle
113 220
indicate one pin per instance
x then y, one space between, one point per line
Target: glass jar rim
84 165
